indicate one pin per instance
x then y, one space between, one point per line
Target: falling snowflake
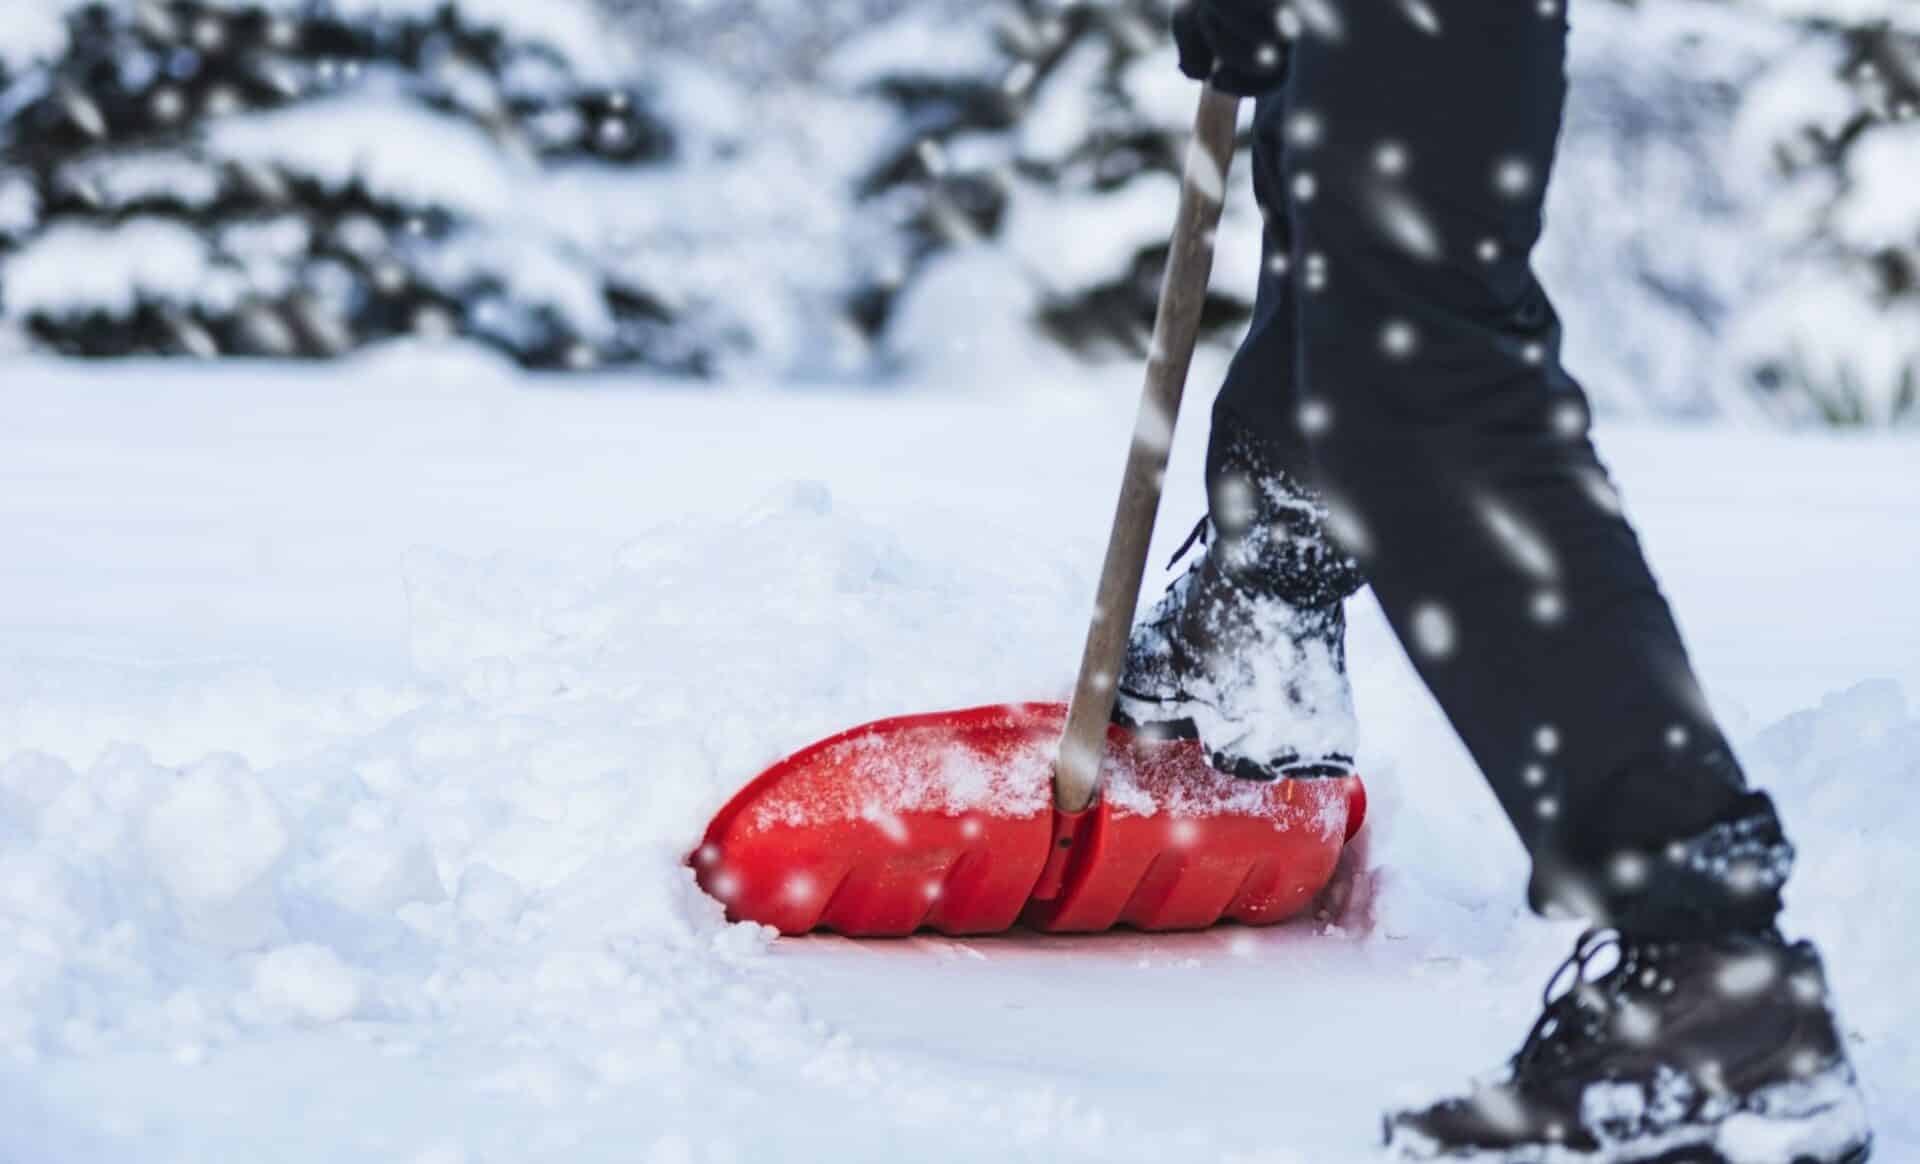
1523 545
1744 977
1569 419
1548 606
1423 16
1601 492
1629 871
612 132
1403 221
1546 739
1203 173
1153 427
209 33
1807 988
1433 630
432 322
1316 417
167 104
1305 129
1319 17
1347 529
1637 1023
1316 278
1513 177
1234 501
1398 339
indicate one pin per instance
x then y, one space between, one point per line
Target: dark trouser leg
1454 449
1259 464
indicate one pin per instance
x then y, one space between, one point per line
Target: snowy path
351 727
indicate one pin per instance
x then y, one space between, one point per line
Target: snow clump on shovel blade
877 775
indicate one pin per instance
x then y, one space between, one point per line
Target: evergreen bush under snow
1039 150
283 179
1834 333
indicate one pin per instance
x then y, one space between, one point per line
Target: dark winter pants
1404 363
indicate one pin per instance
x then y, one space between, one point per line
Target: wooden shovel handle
1176 327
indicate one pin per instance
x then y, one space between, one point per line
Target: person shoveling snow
1397 416
1398 413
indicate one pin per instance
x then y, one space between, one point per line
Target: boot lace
1201 532
1577 1018
1167 611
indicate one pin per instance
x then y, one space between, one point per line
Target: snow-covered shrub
286 178
1835 124
1735 222
1649 246
1037 144
765 40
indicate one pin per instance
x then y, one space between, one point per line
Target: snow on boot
1723 1051
1260 682
1247 650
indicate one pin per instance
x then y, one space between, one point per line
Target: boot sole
1750 1137
1694 1154
1788 1132
1709 1156
1237 767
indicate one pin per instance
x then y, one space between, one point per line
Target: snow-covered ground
353 724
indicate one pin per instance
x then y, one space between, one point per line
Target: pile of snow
565 737
1841 770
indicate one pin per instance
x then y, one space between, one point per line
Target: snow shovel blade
946 822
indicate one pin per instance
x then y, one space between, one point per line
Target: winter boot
1719 1051
1246 652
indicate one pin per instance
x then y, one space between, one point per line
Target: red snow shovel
968 822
